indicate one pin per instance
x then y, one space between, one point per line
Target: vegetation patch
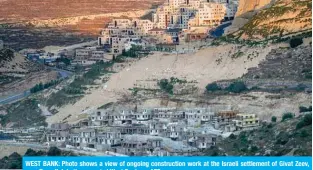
234 87
295 42
168 85
6 55
14 161
76 89
287 116
40 86
271 139
237 55
25 113
305 121
305 109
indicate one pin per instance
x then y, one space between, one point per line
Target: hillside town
155 78
150 132
169 28
175 22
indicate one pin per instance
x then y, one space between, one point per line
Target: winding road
15 97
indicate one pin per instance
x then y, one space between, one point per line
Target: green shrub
237 87
305 109
295 42
304 133
305 121
166 86
213 87
40 86
274 118
300 87
254 149
232 136
287 116
54 151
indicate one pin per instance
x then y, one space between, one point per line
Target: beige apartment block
209 14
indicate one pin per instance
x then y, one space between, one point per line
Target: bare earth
21 10
201 67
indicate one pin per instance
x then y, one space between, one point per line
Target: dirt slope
207 65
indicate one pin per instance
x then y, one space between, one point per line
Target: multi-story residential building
198 116
97 56
143 26
101 117
89 56
246 121
209 14
121 31
157 127
143 115
134 129
58 133
108 138
83 54
231 9
88 137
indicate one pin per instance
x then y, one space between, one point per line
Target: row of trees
14 161
235 87
41 86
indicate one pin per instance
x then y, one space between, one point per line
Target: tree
305 109
166 86
30 152
295 42
305 121
237 87
54 151
274 118
213 87
287 116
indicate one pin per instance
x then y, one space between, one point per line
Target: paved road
15 97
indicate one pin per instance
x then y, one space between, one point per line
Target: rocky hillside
18 74
251 6
292 137
284 69
278 18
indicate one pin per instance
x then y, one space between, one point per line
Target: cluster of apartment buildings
150 132
90 55
171 23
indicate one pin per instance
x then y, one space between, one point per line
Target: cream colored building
243 121
209 14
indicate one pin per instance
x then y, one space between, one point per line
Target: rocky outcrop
278 18
288 69
246 10
247 6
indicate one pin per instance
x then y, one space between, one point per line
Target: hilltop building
173 22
